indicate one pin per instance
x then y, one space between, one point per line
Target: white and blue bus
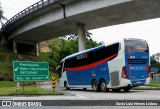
120 65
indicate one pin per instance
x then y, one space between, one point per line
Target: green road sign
30 71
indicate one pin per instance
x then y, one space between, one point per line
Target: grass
154 84
150 86
9 88
146 88
28 90
6 63
13 84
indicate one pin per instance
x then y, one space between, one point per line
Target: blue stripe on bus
84 77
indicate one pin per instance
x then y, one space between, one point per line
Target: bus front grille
137 61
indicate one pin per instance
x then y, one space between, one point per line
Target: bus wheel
66 85
84 89
95 85
127 89
116 90
103 87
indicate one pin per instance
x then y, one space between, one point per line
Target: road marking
80 96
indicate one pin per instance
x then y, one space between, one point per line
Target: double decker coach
119 65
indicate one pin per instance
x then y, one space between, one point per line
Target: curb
145 88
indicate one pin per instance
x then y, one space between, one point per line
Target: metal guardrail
28 10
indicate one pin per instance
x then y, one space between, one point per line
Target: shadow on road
110 91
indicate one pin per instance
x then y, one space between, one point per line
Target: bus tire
103 87
95 86
116 90
66 85
84 89
127 89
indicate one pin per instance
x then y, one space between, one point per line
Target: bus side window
114 48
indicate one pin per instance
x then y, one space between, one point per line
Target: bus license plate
138 82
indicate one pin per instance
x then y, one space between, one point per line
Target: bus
119 65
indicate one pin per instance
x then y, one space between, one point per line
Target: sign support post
23 86
18 87
45 85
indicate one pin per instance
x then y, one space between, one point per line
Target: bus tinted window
93 56
136 46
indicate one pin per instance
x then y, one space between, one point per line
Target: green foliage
154 84
13 83
154 62
1 15
28 90
91 44
52 73
6 58
150 86
61 47
4 73
47 57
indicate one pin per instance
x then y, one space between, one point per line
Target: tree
89 41
75 36
154 62
3 42
1 16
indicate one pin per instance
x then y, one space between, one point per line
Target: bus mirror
56 70
59 71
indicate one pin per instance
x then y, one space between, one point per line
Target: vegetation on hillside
61 47
6 63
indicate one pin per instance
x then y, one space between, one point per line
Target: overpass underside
54 21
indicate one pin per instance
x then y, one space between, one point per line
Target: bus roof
96 48
81 52
134 39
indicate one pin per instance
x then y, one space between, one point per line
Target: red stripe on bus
91 65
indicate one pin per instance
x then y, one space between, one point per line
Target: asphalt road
77 94
132 95
89 94
81 97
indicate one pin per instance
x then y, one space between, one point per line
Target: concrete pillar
3 39
81 37
14 47
37 49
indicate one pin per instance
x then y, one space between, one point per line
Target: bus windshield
136 46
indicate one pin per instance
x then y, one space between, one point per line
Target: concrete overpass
54 18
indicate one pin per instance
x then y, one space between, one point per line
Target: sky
148 30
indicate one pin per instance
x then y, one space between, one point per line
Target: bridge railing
28 10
